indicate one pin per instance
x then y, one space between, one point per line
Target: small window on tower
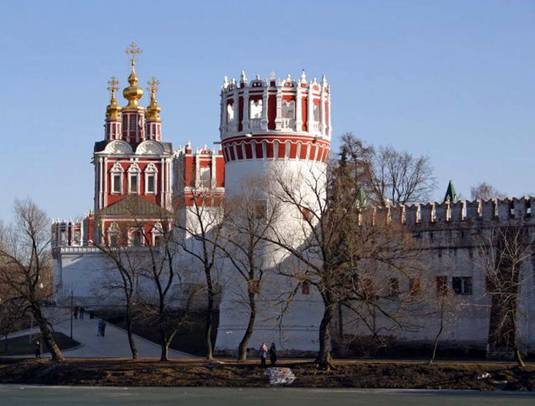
117 186
134 181
151 184
204 177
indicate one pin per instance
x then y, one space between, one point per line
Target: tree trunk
209 318
130 334
324 358
164 356
47 336
437 337
242 350
519 358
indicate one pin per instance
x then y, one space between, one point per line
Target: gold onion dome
153 110
133 92
113 110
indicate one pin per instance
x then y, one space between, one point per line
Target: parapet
463 211
508 210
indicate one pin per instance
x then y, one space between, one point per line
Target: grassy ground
23 346
346 374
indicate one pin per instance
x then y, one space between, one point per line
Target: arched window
135 237
288 113
117 179
255 109
230 113
133 179
151 179
113 235
157 234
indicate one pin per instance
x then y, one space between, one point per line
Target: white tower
268 127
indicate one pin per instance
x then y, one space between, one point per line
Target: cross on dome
133 50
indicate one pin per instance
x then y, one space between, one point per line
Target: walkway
113 345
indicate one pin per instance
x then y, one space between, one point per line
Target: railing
255 123
288 123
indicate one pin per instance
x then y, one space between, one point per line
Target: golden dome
153 110
133 92
113 110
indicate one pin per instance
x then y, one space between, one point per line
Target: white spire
272 76
225 82
324 80
303 76
243 77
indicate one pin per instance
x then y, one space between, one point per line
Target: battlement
454 214
275 106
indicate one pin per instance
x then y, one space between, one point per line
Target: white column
223 118
329 115
298 112
236 106
278 117
322 111
213 172
101 182
265 98
310 112
162 182
105 181
245 122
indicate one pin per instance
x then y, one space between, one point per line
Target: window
230 113
394 287
307 213
134 183
204 177
157 235
255 109
135 238
117 178
462 285
260 210
150 179
113 235
133 179
305 288
442 285
414 286
117 184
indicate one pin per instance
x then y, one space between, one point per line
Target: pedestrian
100 328
273 354
103 328
38 349
82 312
76 312
263 354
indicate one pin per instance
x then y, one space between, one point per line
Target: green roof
135 206
451 194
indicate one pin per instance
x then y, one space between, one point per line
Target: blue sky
454 80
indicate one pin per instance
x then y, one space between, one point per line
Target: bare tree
248 220
126 268
337 241
386 175
400 177
199 228
485 191
503 251
26 271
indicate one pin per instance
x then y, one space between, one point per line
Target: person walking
273 354
263 354
103 328
76 312
100 328
82 311
38 349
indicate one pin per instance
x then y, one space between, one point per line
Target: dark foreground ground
346 374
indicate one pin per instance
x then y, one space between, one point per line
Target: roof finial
133 50
133 93
153 110
113 109
451 194
243 77
303 76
